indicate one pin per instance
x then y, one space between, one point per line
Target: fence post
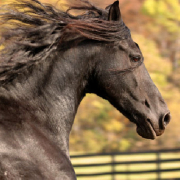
158 157
113 166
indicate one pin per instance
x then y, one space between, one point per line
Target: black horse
49 60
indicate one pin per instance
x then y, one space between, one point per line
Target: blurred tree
98 127
166 24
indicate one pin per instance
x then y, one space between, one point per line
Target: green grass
131 167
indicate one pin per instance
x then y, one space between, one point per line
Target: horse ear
114 12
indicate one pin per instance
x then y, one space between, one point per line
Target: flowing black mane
30 31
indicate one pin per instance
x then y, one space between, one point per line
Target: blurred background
99 127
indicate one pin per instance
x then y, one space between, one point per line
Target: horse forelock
31 31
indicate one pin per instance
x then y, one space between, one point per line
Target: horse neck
48 99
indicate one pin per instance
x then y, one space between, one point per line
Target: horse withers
49 60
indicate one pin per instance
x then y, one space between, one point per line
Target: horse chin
147 131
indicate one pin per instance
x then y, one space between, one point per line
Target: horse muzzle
153 128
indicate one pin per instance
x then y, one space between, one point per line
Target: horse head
122 79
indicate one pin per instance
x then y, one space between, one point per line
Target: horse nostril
165 120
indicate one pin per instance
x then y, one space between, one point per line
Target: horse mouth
147 131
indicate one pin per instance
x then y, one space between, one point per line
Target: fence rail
159 158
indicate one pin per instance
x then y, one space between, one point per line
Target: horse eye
135 58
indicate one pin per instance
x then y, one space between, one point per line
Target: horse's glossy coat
50 61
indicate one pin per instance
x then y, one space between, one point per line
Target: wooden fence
159 163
